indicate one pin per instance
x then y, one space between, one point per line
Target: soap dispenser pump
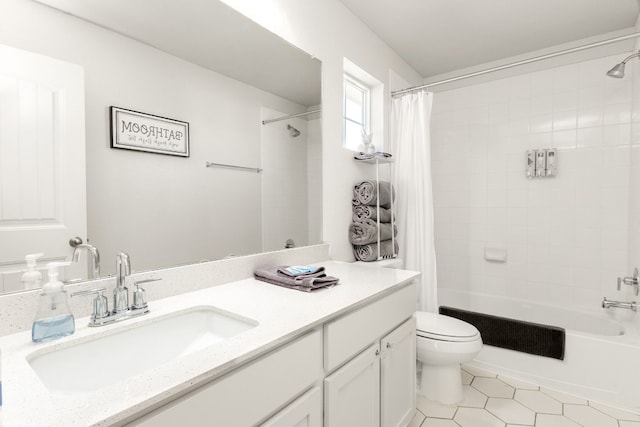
32 278
53 319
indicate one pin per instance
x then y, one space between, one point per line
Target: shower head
293 132
617 71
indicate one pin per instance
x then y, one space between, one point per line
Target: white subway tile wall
568 236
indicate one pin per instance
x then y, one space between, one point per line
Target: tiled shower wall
566 237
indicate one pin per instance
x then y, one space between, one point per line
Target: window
363 108
357 114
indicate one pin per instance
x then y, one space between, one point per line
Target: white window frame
366 107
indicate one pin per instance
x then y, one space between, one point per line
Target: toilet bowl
444 342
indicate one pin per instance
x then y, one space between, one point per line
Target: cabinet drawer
349 334
248 394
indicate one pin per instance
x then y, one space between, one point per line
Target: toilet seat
444 328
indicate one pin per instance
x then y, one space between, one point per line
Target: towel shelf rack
223 165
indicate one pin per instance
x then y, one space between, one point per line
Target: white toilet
444 342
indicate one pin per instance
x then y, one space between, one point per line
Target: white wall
207 211
284 182
330 32
314 176
566 237
634 194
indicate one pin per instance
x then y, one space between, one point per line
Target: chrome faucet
121 310
120 292
94 255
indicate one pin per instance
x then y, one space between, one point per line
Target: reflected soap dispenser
53 319
32 278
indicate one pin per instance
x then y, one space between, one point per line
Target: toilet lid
444 328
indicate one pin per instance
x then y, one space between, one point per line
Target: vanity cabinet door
306 411
398 375
352 393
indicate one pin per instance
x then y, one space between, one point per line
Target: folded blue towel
300 270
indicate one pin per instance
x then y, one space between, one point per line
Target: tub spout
619 304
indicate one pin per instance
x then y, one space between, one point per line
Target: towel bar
222 165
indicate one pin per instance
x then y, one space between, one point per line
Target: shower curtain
411 145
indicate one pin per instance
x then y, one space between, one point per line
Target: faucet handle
631 281
139 294
100 302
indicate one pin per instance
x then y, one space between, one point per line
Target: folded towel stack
372 203
301 278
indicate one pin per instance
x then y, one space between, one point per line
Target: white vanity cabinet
364 360
376 386
248 394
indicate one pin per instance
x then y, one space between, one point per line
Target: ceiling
439 36
210 34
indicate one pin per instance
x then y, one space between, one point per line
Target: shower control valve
631 281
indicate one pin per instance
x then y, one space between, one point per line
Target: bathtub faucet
620 304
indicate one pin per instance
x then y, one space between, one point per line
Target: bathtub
601 360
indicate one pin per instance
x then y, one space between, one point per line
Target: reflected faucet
121 293
93 254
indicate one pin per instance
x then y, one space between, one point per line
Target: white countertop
282 315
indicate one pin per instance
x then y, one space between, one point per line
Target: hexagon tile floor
495 401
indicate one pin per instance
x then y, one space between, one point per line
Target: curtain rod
517 63
266 122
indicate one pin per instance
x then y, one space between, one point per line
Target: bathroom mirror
199 62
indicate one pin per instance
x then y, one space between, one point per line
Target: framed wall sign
132 130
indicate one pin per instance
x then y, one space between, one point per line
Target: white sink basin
87 366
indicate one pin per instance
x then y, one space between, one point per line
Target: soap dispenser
32 278
53 319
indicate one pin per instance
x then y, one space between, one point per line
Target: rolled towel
367 193
354 200
362 212
365 232
304 282
370 252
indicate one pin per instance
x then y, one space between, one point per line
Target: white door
352 393
306 411
42 160
398 375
